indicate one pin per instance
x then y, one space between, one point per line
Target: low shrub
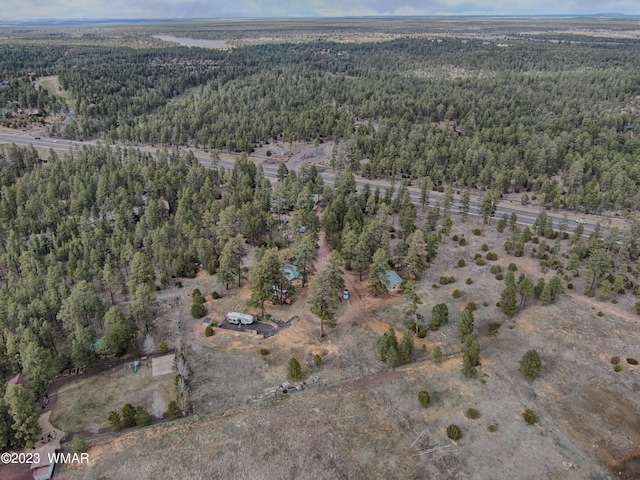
632 361
196 293
437 355
461 263
424 398
208 332
492 256
174 411
600 314
444 280
484 247
492 428
179 284
473 414
456 293
615 360
570 286
454 238
530 416
471 306
468 281
463 242
481 262
215 295
477 232
422 332
317 359
435 286
496 269
499 276
617 368
590 293
512 267
477 256
454 432
79 444
452 279
264 351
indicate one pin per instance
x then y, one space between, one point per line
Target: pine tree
23 410
417 258
531 365
377 271
114 421
439 316
465 324
294 371
509 301
407 346
527 291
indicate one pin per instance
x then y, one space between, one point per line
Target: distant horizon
61 20
160 10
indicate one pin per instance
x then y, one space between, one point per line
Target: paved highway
525 216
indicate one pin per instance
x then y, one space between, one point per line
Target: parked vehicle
237 318
581 220
280 293
345 294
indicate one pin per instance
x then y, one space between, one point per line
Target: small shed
392 280
43 469
293 275
207 322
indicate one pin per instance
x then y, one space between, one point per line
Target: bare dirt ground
365 421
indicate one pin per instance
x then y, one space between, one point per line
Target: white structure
43 470
237 318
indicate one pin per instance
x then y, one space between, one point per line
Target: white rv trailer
237 318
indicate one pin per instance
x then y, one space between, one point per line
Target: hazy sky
76 9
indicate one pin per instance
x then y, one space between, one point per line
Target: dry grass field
52 85
365 421
88 401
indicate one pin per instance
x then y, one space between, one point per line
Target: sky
156 9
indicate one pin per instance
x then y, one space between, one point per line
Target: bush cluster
131 417
198 309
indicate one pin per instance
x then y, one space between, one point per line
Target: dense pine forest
553 116
88 237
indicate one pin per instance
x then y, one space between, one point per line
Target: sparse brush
473 414
530 416
454 432
424 398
